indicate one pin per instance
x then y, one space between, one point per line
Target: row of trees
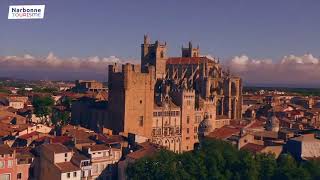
220 160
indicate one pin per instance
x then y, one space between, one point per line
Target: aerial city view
185 89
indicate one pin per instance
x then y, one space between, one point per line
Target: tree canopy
42 106
221 161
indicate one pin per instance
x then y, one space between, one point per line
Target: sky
262 41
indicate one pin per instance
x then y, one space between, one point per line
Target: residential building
55 163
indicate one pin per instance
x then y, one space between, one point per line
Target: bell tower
154 55
190 51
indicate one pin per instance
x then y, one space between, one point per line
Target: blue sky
224 28
265 42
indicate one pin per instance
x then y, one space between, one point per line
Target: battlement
209 101
188 91
128 67
114 68
190 51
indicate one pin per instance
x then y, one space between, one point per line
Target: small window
10 163
188 119
1 164
187 130
141 121
65 154
140 101
68 175
74 174
19 176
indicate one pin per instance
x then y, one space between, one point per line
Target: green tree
43 107
313 167
267 165
288 169
61 118
66 102
219 160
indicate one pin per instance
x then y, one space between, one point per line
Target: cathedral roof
189 60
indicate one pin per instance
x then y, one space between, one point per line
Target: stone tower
131 99
190 51
155 55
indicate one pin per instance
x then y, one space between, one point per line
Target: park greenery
220 160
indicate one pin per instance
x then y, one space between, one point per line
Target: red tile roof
40 139
61 139
67 167
97 147
56 148
148 149
254 148
224 132
110 139
5 149
257 124
30 135
188 60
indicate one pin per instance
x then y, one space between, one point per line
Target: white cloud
53 67
305 59
290 69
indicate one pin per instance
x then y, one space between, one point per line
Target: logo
26 12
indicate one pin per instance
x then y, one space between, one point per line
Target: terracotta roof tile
224 132
148 149
5 149
188 60
97 147
56 148
30 135
67 167
254 148
61 139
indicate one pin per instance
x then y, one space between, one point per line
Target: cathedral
172 101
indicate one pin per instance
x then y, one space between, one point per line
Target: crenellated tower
155 55
190 51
